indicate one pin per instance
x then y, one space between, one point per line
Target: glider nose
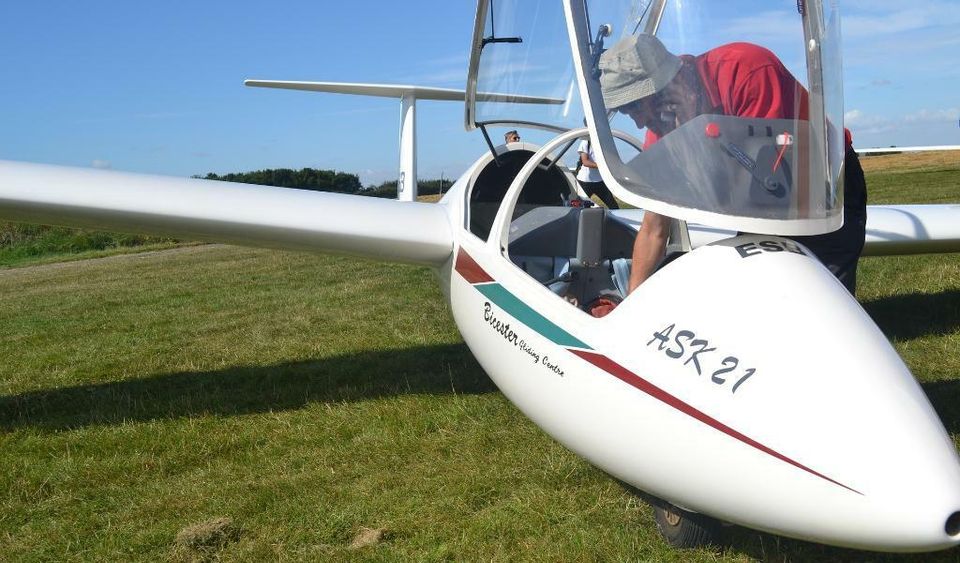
816 418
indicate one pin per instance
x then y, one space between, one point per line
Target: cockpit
551 230
717 113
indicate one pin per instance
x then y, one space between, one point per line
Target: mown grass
932 177
307 398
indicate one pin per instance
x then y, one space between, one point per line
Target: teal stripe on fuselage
526 315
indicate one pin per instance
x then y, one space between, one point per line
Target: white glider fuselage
741 381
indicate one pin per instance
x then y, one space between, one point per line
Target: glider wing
891 229
216 211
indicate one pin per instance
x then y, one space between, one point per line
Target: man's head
511 136
651 85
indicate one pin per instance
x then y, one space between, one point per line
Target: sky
158 87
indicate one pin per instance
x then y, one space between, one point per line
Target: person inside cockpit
660 91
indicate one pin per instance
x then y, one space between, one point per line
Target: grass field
321 403
31 244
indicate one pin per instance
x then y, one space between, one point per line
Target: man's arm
587 161
648 247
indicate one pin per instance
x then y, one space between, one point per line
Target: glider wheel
685 529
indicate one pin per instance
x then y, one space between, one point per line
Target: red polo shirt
746 80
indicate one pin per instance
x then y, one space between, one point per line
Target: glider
740 383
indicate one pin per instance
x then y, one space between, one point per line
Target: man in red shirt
661 91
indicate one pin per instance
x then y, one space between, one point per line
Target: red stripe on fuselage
635 380
467 267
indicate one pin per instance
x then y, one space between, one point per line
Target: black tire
685 529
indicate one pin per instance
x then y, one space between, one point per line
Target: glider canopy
740 103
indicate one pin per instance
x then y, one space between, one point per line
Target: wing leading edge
215 211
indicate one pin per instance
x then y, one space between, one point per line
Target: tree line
325 181
304 179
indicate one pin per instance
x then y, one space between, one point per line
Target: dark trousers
600 190
840 250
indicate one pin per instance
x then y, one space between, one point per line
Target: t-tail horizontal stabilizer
408 94
398 91
210 210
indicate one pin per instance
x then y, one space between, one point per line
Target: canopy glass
521 72
740 105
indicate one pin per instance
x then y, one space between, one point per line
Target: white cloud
860 122
101 164
933 116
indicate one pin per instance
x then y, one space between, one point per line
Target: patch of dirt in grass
208 535
368 537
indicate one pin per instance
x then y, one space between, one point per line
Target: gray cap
636 67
